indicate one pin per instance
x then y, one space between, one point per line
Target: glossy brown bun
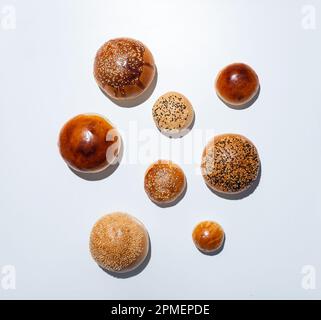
164 181
230 163
119 242
208 236
237 84
173 114
89 143
124 68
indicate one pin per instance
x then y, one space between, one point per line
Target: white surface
47 211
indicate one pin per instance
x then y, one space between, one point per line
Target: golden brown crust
89 143
119 242
237 84
172 112
230 163
164 181
208 236
124 68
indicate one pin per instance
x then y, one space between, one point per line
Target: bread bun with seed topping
119 242
230 163
173 114
124 68
164 182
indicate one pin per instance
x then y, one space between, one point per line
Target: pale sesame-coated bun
173 114
164 181
124 68
119 242
237 84
89 143
230 163
208 236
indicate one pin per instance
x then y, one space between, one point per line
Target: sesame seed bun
173 114
119 242
164 182
124 68
237 84
89 143
230 163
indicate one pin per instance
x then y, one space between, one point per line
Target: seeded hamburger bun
124 68
237 84
173 114
230 163
89 143
164 182
119 242
208 236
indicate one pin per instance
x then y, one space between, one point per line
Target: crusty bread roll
164 182
124 68
208 236
89 143
230 163
237 84
119 242
173 114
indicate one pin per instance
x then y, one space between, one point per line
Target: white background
47 211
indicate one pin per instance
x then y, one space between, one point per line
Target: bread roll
164 182
124 68
208 236
230 163
119 242
173 114
89 143
237 84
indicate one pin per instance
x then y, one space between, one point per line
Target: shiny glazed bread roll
89 143
119 242
208 236
237 84
124 68
230 163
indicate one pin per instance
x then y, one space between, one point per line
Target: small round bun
89 143
124 68
173 114
230 163
119 242
237 84
208 236
164 182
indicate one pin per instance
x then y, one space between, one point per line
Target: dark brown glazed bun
230 163
124 68
164 181
89 143
119 242
208 236
237 84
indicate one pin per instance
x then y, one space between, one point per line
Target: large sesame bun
119 242
230 163
89 143
173 114
164 182
124 68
